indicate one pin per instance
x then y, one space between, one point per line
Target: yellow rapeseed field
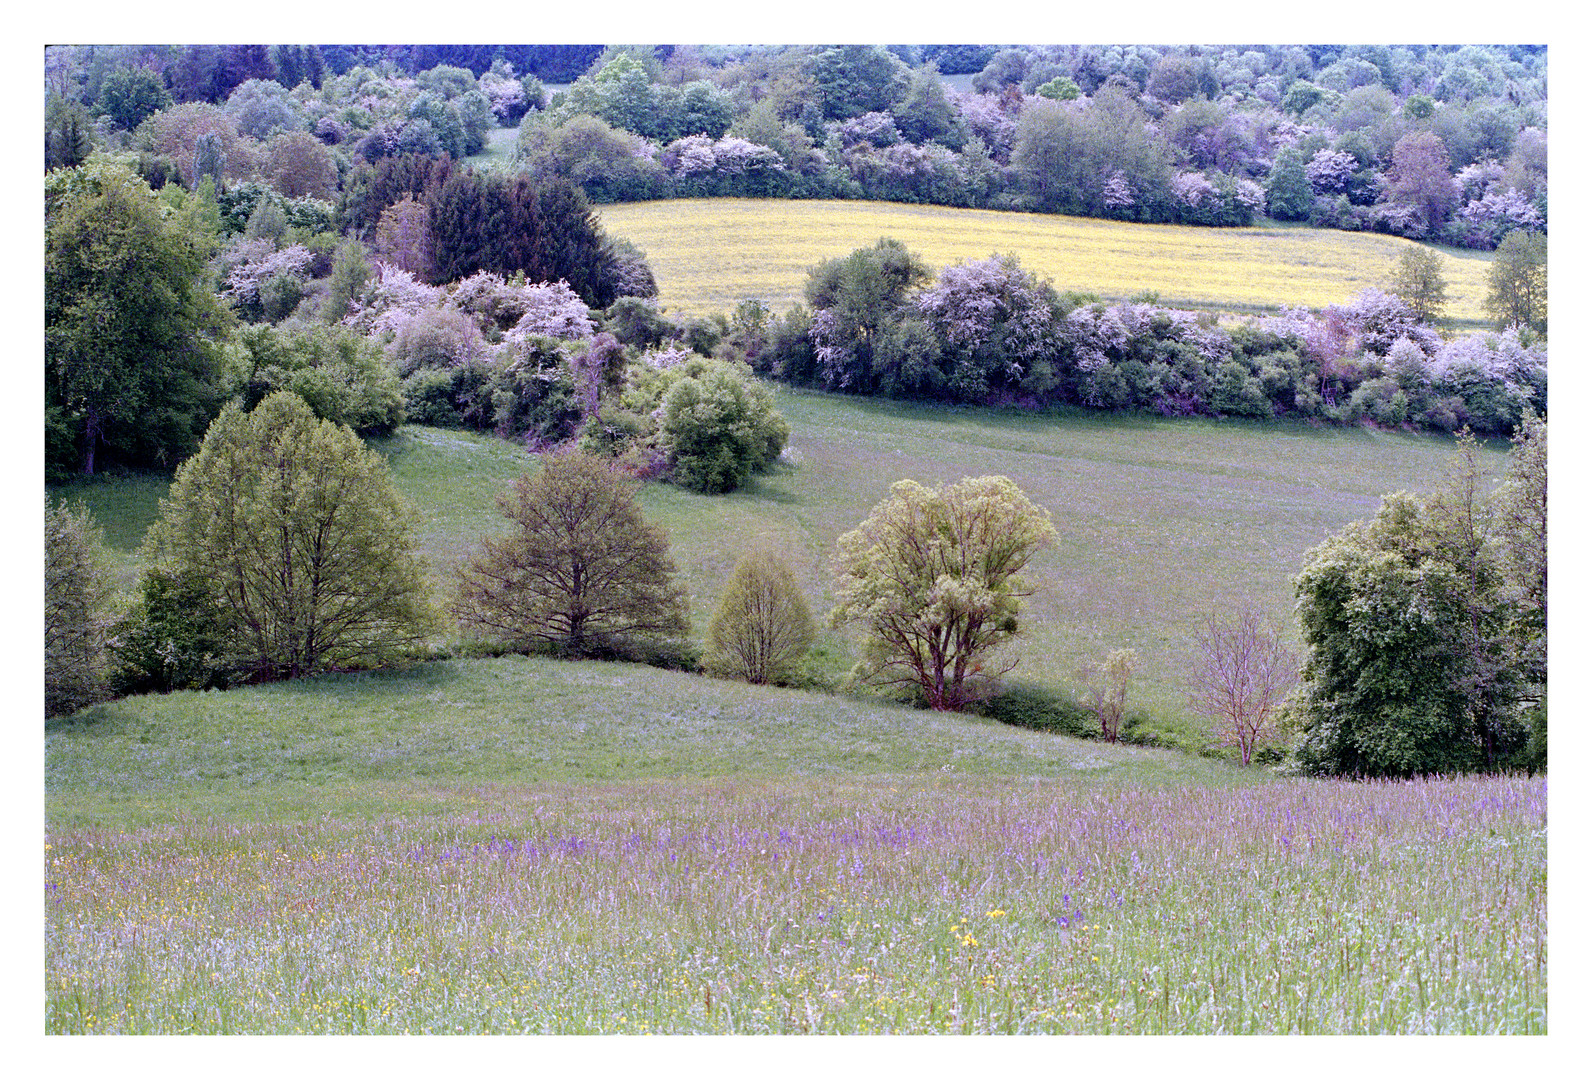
709 254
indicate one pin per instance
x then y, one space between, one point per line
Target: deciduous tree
581 568
1517 282
1418 281
934 580
130 331
762 626
1243 671
76 603
299 540
1106 684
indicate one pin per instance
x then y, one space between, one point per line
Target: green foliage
130 329
580 570
130 95
174 638
76 609
68 133
1288 191
1418 281
341 374
718 427
1061 88
304 551
1410 667
762 627
933 579
1042 708
859 297
1517 282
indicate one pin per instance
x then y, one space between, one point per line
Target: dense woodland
302 216
1442 143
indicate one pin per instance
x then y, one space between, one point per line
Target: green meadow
1161 522
519 845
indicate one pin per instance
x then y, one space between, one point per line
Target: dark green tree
855 79
131 95
1408 667
68 133
855 302
131 332
1288 191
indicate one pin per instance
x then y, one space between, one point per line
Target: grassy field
709 254
1160 521
526 846
519 845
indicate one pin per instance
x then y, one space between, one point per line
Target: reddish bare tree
1242 673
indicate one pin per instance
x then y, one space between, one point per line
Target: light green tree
1418 281
933 579
76 601
305 551
762 626
1517 282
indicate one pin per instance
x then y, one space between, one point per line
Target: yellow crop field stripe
710 254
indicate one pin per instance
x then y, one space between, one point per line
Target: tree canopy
581 569
131 332
290 529
933 579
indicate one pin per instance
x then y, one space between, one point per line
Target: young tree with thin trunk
1243 671
763 625
1418 281
581 569
1106 684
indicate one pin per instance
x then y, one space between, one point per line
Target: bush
173 639
1042 708
718 428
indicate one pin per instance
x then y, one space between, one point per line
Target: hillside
1160 521
709 254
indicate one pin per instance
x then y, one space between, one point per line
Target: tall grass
709 254
911 904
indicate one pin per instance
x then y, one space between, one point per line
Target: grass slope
709 254
1160 521
524 846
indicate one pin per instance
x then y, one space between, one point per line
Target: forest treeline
1441 143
